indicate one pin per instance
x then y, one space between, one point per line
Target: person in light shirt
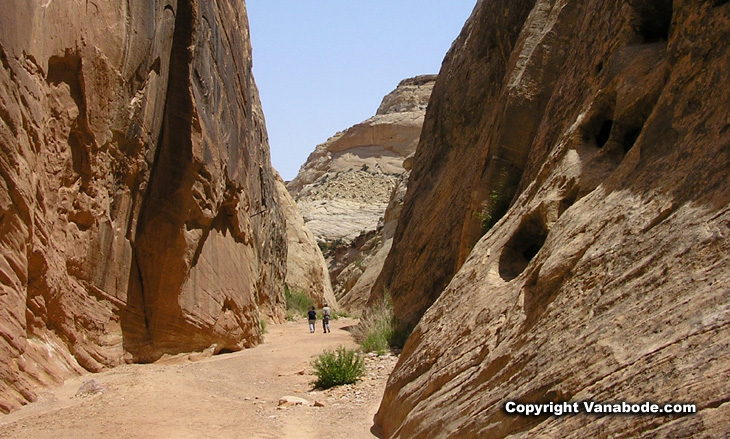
326 313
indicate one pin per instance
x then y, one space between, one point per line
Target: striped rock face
137 202
566 230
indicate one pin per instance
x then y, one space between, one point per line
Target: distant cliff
306 269
566 230
138 207
346 186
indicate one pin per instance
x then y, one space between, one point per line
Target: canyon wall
306 269
566 230
138 209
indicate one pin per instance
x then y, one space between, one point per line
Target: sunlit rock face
344 187
565 234
306 269
348 183
137 202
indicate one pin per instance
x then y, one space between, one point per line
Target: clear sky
324 65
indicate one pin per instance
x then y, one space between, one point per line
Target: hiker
326 312
312 314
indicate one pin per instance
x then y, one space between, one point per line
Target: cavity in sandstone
565 234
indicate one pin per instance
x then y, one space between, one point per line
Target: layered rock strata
358 277
344 187
137 203
348 182
589 143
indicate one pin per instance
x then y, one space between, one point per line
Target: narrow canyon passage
227 396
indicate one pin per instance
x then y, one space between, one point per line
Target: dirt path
226 396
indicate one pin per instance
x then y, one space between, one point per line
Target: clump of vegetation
262 322
379 330
344 366
340 313
497 203
297 303
328 247
493 209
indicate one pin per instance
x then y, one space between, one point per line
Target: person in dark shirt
312 314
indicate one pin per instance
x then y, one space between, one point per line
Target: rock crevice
137 203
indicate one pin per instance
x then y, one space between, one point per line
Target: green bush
336 368
297 303
496 205
328 247
339 314
379 330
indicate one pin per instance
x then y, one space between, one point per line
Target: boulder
290 401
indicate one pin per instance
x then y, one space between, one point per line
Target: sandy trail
226 396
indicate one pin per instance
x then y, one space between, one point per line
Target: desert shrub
496 205
262 322
297 303
379 330
332 368
328 247
339 314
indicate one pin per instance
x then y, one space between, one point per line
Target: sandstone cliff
306 269
344 187
137 203
359 275
347 184
589 143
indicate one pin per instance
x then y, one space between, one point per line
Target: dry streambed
239 395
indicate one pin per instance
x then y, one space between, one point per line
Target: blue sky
324 65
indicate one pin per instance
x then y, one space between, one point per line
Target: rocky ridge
345 185
306 269
137 203
356 269
349 184
566 228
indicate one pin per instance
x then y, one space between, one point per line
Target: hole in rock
67 69
522 247
604 133
654 19
599 67
629 138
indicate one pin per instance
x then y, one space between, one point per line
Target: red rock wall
137 203
607 279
